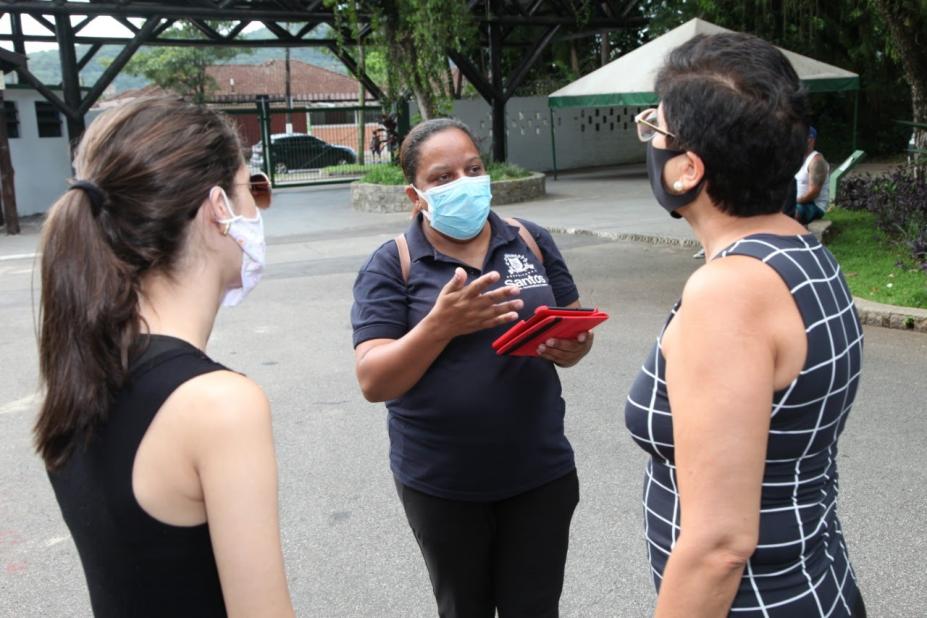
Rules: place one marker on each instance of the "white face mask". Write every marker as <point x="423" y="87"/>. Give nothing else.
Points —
<point x="249" y="234"/>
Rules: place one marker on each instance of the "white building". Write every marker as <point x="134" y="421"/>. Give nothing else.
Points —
<point x="38" y="138"/>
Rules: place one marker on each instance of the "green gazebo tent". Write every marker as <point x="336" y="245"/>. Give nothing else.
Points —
<point x="629" y="80"/>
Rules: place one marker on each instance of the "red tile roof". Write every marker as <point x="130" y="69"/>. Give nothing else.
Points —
<point x="307" y="83"/>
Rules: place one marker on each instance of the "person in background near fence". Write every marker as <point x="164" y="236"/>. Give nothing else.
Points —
<point x="161" y="460"/>
<point x="376" y="144"/>
<point x="812" y="191"/>
<point x="481" y="463"/>
<point x="742" y="400"/>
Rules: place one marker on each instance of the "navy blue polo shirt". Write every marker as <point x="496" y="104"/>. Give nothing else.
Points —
<point x="477" y="426"/>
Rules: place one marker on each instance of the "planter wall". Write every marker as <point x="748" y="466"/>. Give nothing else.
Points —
<point x="392" y="198"/>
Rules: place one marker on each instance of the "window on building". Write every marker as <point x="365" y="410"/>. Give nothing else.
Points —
<point x="372" y="115"/>
<point x="331" y="116"/>
<point x="48" y="118"/>
<point x="12" y="119"/>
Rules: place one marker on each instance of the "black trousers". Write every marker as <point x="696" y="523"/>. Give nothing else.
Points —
<point x="507" y="555"/>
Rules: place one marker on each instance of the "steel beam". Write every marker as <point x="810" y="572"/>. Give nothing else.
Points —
<point x="16" y="24"/>
<point x="26" y="77"/>
<point x="474" y="76"/>
<point x="151" y="9"/>
<point x="88" y="56"/>
<point x="529" y="60"/>
<point x="118" y="64"/>
<point x="70" y="76"/>
<point x="498" y="101"/>
<point x="186" y="42"/>
<point x="355" y="70"/>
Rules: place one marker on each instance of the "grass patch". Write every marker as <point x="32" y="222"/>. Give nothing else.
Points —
<point x="392" y="174"/>
<point x="384" y="175"/>
<point x="875" y="268"/>
<point x="350" y="169"/>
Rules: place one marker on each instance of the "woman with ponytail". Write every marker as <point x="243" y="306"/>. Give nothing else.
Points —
<point x="161" y="459"/>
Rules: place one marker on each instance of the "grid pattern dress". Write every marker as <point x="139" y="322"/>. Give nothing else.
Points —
<point x="800" y="566"/>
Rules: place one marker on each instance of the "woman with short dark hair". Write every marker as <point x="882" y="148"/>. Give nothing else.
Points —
<point x="477" y="447"/>
<point x="742" y="400"/>
<point x="161" y="459"/>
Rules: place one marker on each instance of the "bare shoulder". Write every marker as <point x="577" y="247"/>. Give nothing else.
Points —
<point x="734" y="287"/>
<point x="222" y="401"/>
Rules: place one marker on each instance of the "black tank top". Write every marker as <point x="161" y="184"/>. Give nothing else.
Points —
<point x="136" y="565"/>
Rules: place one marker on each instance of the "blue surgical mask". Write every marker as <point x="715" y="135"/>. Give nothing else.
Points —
<point x="458" y="209"/>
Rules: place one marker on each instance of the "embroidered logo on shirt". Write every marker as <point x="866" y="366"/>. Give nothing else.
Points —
<point x="522" y="273"/>
<point x="517" y="263"/>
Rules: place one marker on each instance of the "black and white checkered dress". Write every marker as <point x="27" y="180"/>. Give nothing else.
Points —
<point x="800" y="567"/>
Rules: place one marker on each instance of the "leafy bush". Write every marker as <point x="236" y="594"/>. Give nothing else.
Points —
<point x="384" y="175"/>
<point x="899" y="202"/>
<point x="506" y="171"/>
<point x="392" y="174"/>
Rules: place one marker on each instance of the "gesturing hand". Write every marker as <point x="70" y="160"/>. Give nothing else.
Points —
<point x="464" y="308"/>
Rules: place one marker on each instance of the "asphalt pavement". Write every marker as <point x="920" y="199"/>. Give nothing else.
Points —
<point x="348" y="549"/>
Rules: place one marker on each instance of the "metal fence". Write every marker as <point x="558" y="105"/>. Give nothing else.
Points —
<point x="315" y="144"/>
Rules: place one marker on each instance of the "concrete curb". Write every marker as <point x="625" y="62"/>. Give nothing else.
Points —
<point x="870" y="313"/>
<point x="891" y="316"/>
<point x="650" y="239"/>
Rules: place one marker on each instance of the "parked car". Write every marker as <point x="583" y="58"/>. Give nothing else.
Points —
<point x="296" y="151"/>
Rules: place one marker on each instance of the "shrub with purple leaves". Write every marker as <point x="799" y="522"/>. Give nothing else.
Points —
<point x="899" y="202"/>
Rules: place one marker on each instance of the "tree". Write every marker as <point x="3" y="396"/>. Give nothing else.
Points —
<point x="413" y="37"/>
<point x="181" y="70"/>
<point x="907" y="24"/>
<point x="846" y="33"/>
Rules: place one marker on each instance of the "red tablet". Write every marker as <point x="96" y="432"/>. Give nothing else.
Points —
<point x="524" y="337"/>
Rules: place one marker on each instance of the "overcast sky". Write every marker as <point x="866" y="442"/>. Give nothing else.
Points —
<point x="100" y="26"/>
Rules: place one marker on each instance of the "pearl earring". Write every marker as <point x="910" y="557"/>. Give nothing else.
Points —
<point x="677" y="186"/>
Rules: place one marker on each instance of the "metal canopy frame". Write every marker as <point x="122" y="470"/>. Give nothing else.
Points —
<point x="497" y="20"/>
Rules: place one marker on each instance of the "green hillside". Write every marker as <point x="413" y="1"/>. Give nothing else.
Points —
<point x="45" y="64"/>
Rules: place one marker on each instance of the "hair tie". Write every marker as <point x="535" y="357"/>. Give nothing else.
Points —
<point x="94" y="194"/>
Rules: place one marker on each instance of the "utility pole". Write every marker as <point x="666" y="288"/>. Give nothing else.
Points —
<point x="362" y="101"/>
<point x="289" y="96"/>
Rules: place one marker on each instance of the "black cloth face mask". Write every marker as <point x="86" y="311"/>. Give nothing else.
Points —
<point x="657" y="159"/>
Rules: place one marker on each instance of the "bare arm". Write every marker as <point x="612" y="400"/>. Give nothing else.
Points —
<point x="720" y="374"/>
<point x="387" y="368"/>
<point x="234" y="458"/>
<point x="817" y="176"/>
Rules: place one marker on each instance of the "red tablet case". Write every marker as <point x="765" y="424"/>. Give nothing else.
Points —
<point x="524" y="338"/>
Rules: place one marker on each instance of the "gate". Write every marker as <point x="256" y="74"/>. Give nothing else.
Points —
<point x="312" y="144"/>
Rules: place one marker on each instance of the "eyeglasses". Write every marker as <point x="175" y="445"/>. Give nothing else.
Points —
<point x="647" y="125"/>
<point x="259" y="185"/>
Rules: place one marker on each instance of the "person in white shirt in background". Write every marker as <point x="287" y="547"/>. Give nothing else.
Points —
<point x="812" y="190"/>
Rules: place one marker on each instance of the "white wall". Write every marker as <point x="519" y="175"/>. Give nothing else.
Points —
<point x="41" y="165"/>
<point x="585" y="137"/>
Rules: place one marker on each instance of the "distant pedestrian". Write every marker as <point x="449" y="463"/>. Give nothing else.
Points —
<point x="161" y="459"/>
<point x="741" y="402"/>
<point x="812" y="191"/>
<point x="376" y="145"/>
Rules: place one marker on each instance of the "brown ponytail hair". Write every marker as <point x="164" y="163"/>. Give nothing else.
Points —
<point x="153" y="162"/>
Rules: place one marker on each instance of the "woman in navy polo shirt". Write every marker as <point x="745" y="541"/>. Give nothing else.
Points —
<point x="482" y="465"/>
